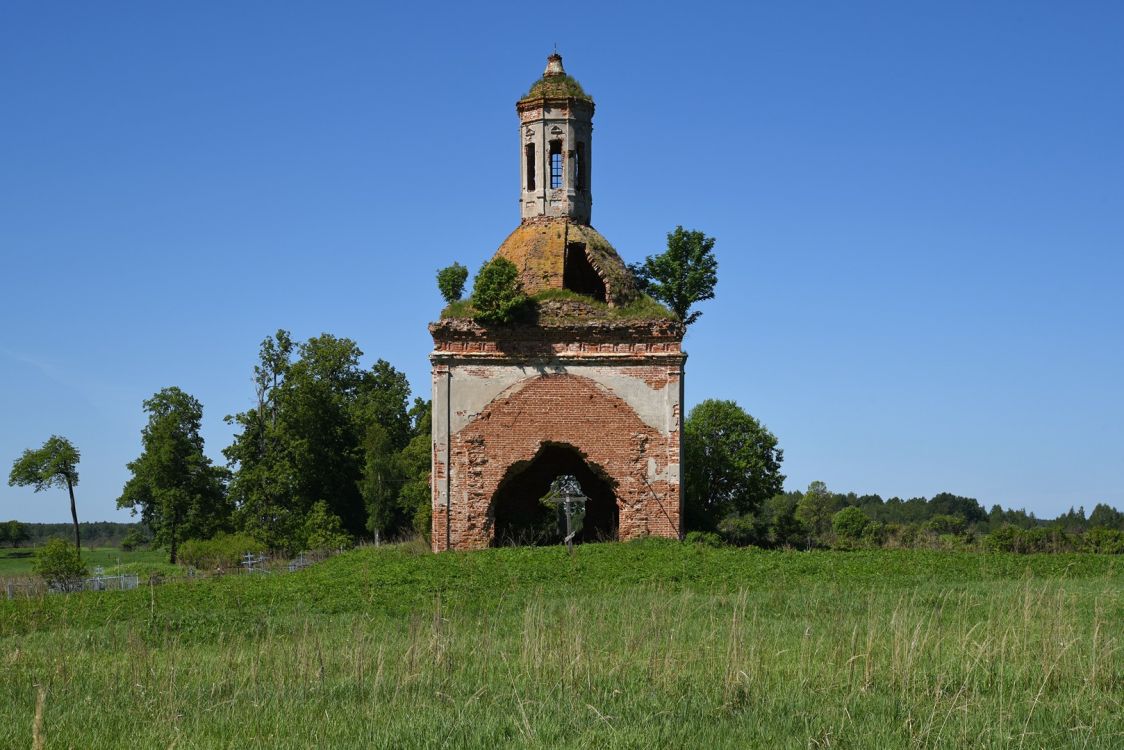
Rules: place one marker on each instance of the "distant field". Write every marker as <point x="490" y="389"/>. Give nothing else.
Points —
<point x="646" y="645"/>
<point x="15" y="562"/>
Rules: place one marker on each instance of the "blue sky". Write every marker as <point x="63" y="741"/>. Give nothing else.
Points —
<point x="919" y="210"/>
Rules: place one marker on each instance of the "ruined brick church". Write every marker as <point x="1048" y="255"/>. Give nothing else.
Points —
<point x="591" y="385"/>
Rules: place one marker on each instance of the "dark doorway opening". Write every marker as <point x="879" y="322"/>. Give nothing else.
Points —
<point x="521" y="519"/>
<point x="579" y="275"/>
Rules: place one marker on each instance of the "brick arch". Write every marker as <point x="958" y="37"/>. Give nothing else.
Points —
<point x="527" y="522"/>
<point x="569" y="409"/>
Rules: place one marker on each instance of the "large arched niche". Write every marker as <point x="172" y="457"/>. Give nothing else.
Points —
<point x="520" y="518"/>
<point x="559" y="409"/>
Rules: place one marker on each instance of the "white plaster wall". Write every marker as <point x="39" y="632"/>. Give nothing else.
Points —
<point x="473" y="388"/>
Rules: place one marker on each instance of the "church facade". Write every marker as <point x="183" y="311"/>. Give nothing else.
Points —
<point x="592" y="386"/>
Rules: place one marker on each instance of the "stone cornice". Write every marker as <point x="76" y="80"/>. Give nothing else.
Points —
<point x="588" y="342"/>
<point x="533" y="358"/>
<point x="534" y="103"/>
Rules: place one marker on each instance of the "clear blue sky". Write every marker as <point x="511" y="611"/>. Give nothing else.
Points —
<point x="919" y="210"/>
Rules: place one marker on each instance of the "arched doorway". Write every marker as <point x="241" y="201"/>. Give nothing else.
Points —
<point x="519" y="517"/>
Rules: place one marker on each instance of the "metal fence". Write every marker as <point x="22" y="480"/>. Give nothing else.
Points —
<point x="102" y="582"/>
<point x="28" y="587"/>
<point x="252" y="564"/>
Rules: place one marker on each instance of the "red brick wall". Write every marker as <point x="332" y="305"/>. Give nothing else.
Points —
<point x="563" y="408"/>
<point x="641" y="458"/>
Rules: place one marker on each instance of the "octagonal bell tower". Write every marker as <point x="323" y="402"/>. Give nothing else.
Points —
<point x="556" y="129"/>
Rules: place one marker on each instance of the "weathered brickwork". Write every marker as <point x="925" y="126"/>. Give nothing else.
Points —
<point x="499" y="398"/>
<point x="582" y="390"/>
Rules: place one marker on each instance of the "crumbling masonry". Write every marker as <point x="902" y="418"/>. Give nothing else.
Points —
<point x="586" y="389"/>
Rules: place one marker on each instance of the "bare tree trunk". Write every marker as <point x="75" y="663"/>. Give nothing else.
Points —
<point x="173" y="546"/>
<point x="74" y="515"/>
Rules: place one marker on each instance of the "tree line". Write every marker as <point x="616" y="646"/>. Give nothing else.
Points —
<point x="95" y="533"/>
<point x="734" y="496"/>
<point x="330" y="452"/>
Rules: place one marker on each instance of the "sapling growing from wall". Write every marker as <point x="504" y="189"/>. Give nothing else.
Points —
<point x="450" y="280"/>
<point x="497" y="293"/>
<point x="682" y="275"/>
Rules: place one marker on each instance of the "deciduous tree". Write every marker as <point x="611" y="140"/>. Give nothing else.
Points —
<point x="415" y="461"/>
<point x="682" y="275"/>
<point x="60" y="566"/>
<point x="260" y="486"/>
<point x="325" y="429"/>
<point x="779" y="513"/>
<point x="53" y="465"/>
<point x="321" y="430"/>
<point x="732" y="464"/>
<point x="178" y="492"/>
<point x="816" y="509"/>
<point x="323" y="530"/>
<point x="380" y="482"/>
<point x="849" y="523"/>
<point x="1105" y="516"/>
<point x="450" y="280"/>
<point x="948" y="504"/>
<point x="497" y="294"/>
<point x="18" y="533"/>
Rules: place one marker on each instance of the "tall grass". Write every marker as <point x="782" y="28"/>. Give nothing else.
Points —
<point x="623" y="646"/>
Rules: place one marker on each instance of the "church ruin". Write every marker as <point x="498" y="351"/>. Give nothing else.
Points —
<point x="590" y="387"/>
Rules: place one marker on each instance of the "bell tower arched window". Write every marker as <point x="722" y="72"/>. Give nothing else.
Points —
<point x="555" y="148"/>
<point x="556" y="164"/>
<point x="530" y="166"/>
<point x="579" y="169"/>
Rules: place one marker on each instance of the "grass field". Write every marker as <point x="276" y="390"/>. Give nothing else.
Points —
<point x="16" y="562"/>
<point x="651" y="644"/>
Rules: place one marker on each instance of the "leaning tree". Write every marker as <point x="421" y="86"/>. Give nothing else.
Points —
<point x="53" y="465"/>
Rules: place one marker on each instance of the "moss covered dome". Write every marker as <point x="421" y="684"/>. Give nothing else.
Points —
<point x="559" y="253"/>
<point x="556" y="84"/>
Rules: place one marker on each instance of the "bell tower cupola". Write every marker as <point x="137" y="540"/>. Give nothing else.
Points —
<point x="555" y="132"/>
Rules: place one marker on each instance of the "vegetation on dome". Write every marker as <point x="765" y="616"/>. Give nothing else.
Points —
<point x="539" y="309"/>
<point x="557" y="87"/>
<point x="642" y="307"/>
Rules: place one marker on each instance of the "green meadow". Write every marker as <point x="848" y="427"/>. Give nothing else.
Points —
<point x="648" y="644"/>
<point x="15" y="562"/>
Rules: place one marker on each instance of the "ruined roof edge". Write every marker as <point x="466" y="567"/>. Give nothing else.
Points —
<point x="466" y="329"/>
